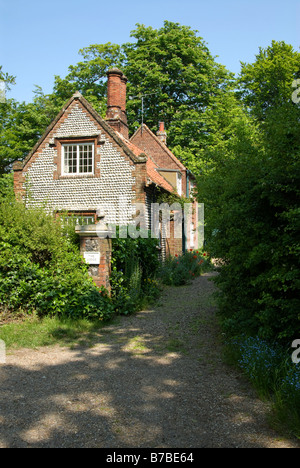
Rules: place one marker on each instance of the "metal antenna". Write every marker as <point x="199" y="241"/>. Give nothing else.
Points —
<point x="142" y="96"/>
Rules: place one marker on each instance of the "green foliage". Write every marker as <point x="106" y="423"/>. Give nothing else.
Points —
<point x="6" y="187"/>
<point x="41" y="270"/>
<point x="270" y="369"/>
<point x="171" y="198"/>
<point x="172" y="66"/>
<point x="266" y="84"/>
<point x="252" y="210"/>
<point x="22" y="125"/>
<point x="181" y="269"/>
<point x="89" y="76"/>
<point x="8" y="79"/>
<point x="134" y="267"/>
<point x="183" y="85"/>
<point x="8" y="138"/>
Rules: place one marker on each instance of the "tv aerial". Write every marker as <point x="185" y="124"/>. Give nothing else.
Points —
<point x="142" y="97"/>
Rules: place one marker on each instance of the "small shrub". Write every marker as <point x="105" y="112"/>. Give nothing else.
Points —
<point x="181" y="269"/>
<point x="287" y="399"/>
<point x="134" y="267"/>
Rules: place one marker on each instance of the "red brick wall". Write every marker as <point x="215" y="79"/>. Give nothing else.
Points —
<point x="173" y="245"/>
<point x="116" y="101"/>
<point x="99" y="273"/>
<point x="149" y="144"/>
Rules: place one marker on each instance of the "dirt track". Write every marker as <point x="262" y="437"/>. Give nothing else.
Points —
<point x="153" y="380"/>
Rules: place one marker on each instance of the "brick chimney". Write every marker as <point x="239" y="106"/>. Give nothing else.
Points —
<point x="162" y="134"/>
<point x="116" y="115"/>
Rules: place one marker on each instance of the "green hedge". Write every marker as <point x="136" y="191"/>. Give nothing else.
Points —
<point x="135" y="264"/>
<point x="41" y="269"/>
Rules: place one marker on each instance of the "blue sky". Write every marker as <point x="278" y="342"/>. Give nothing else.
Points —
<point x="41" y="39"/>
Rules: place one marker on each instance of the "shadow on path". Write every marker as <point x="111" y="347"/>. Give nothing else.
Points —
<point x="154" y="380"/>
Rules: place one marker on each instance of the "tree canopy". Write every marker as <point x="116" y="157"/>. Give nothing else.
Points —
<point x="171" y="67"/>
<point x="252" y="203"/>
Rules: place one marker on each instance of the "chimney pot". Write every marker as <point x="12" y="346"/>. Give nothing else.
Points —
<point x="162" y="134"/>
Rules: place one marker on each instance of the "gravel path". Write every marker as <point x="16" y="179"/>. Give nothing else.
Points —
<point x="153" y="380"/>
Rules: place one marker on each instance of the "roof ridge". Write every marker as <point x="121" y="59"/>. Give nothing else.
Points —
<point x="78" y="96"/>
<point x="164" y="147"/>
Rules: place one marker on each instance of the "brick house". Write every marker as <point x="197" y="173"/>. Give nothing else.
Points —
<point x="84" y="165"/>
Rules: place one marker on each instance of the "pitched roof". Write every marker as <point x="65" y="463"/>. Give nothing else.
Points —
<point x="135" y="153"/>
<point x="163" y="147"/>
<point x="151" y="166"/>
<point x="155" y="177"/>
<point x="135" y="150"/>
<point x="136" y="156"/>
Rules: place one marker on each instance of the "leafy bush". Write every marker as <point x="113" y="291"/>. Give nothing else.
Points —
<point x="134" y="266"/>
<point x="254" y="230"/>
<point x="251" y="194"/>
<point x="288" y="398"/>
<point x="179" y="270"/>
<point x="6" y="187"/>
<point x="41" y="270"/>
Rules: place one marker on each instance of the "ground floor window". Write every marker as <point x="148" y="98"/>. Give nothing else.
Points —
<point x="77" y="218"/>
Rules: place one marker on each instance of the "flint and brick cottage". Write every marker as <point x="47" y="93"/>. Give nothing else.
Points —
<point x="84" y="165"/>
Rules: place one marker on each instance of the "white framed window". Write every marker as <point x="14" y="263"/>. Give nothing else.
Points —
<point x="76" y="218"/>
<point x="80" y="220"/>
<point x="78" y="158"/>
<point x="179" y="183"/>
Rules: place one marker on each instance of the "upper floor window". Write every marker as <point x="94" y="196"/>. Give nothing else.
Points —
<point x="78" y="158"/>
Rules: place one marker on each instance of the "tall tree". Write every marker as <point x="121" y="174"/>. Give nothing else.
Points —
<point x="266" y="84"/>
<point x="173" y="68"/>
<point x="89" y="75"/>
<point x="252" y="199"/>
<point x="7" y="117"/>
<point x="180" y="82"/>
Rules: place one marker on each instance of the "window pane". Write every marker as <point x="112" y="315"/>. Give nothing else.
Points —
<point x="78" y="159"/>
<point x="78" y="219"/>
<point x="70" y="159"/>
<point x="86" y="159"/>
